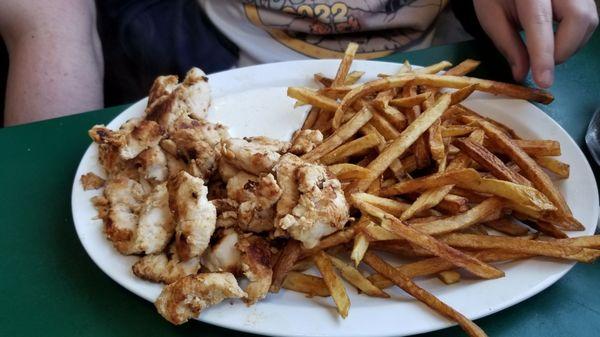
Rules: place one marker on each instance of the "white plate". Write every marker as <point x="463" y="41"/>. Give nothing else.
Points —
<point x="252" y="101"/>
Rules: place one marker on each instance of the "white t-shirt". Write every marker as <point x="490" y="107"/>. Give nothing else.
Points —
<point x="285" y="30"/>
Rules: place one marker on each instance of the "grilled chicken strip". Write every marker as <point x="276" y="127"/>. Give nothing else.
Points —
<point x="195" y="216"/>
<point x="186" y="298"/>
<point x="253" y="154"/>
<point x="165" y="267"/>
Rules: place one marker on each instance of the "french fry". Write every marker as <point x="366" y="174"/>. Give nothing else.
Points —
<point x="351" y="78"/>
<point x="304" y="264"/>
<point x="493" y="87"/>
<point x="410" y="101"/>
<point x="340" y="135"/>
<point x="333" y="283"/>
<point x="311" y="118"/>
<point x="473" y="197"/>
<point x="560" y="169"/>
<point x="407" y="138"/>
<point x="468" y="116"/>
<point x="470" y="179"/>
<point x="520" y="245"/>
<point x="456" y="130"/>
<point x="384" y="127"/>
<point x="355" y="147"/>
<point x="428" y="242"/>
<point x="391" y="206"/>
<point x="434" y="265"/>
<point x="420" y="146"/>
<point x="463" y="68"/>
<point x="307" y="284"/>
<point x="460" y="221"/>
<point x="285" y="262"/>
<point x="313" y="98"/>
<point x="534" y="173"/>
<point x="507" y="226"/>
<point x="346" y="171"/>
<point x="364" y="90"/>
<point x="449" y="276"/>
<point x="539" y="147"/>
<point x="426" y="200"/>
<point x="352" y="275"/>
<point x="434" y="68"/>
<point x="453" y="204"/>
<point x="489" y="161"/>
<point x="361" y="244"/>
<point x="422" y="295"/>
<point x="546" y="228"/>
<point x="335" y="239"/>
<point x="462" y="94"/>
<point x="345" y="64"/>
<point x="436" y="145"/>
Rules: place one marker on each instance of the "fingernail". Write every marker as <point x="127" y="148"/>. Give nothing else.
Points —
<point x="546" y="78"/>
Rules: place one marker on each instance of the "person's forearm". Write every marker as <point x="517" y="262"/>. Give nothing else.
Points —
<point x="54" y="70"/>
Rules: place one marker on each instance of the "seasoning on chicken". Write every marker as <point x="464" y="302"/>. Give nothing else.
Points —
<point x="91" y="181"/>
<point x="144" y="134"/>
<point x="196" y="142"/>
<point x="253" y="154"/>
<point x="195" y="216"/>
<point x="227" y="212"/>
<point x="125" y="197"/>
<point x="256" y="197"/>
<point x="186" y="298"/>
<point x="169" y="101"/>
<point x="321" y="209"/>
<point x="256" y="266"/>
<point x="152" y="164"/>
<point x="223" y="254"/>
<point x="165" y="267"/>
<point x="305" y="141"/>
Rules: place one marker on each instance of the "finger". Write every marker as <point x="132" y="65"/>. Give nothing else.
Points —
<point x="578" y="20"/>
<point x="536" y="18"/>
<point x="503" y="33"/>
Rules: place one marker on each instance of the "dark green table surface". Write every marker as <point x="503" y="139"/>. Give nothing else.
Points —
<point x="49" y="286"/>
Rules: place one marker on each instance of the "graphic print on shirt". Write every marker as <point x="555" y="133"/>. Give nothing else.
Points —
<point x="322" y="29"/>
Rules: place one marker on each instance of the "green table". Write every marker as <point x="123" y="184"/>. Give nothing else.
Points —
<point x="49" y="286"/>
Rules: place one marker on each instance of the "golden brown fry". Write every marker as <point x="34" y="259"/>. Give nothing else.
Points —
<point x="311" y="118"/>
<point x="364" y="90"/>
<point x="333" y="283"/>
<point x="420" y="147"/>
<point x="460" y="221"/>
<point x="428" y="242"/>
<point x="468" y="178"/>
<point x="449" y="276"/>
<point x="346" y="171"/>
<point x="434" y="265"/>
<point x="453" y="204"/>
<point x="335" y="239"/>
<point x="355" y="147"/>
<point x="410" y="101"/>
<point x="462" y="94"/>
<point x="463" y="68"/>
<point x="560" y="169"/>
<point x="340" y="135"/>
<point x="546" y="228"/>
<point x="436" y="145"/>
<point x="521" y="245"/>
<point x="494" y="87"/>
<point x="422" y="295"/>
<point x="468" y="116"/>
<point x="357" y="279"/>
<point x="378" y="233"/>
<point x="490" y="162"/>
<point x="361" y="244"/>
<point x="285" y="262"/>
<point x="434" y="68"/>
<point x="304" y="264"/>
<point x="340" y="76"/>
<point x="507" y="226"/>
<point x="406" y="139"/>
<point x="426" y="200"/>
<point x="384" y="127"/>
<point x="307" y="284"/>
<point x="457" y="130"/>
<point x="592" y="241"/>
<point x="313" y="98"/>
<point x="534" y="173"/>
<point x="391" y="206"/>
<point x="539" y="147"/>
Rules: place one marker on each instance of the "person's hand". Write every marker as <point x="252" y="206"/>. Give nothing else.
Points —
<point x="503" y="19"/>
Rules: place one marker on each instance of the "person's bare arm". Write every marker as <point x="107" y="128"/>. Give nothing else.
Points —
<point x="55" y="58"/>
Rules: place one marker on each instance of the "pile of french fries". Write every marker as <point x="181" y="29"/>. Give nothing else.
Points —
<point x="429" y="180"/>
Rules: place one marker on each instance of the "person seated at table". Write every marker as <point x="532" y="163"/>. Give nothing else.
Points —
<point x="57" y="64"/>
